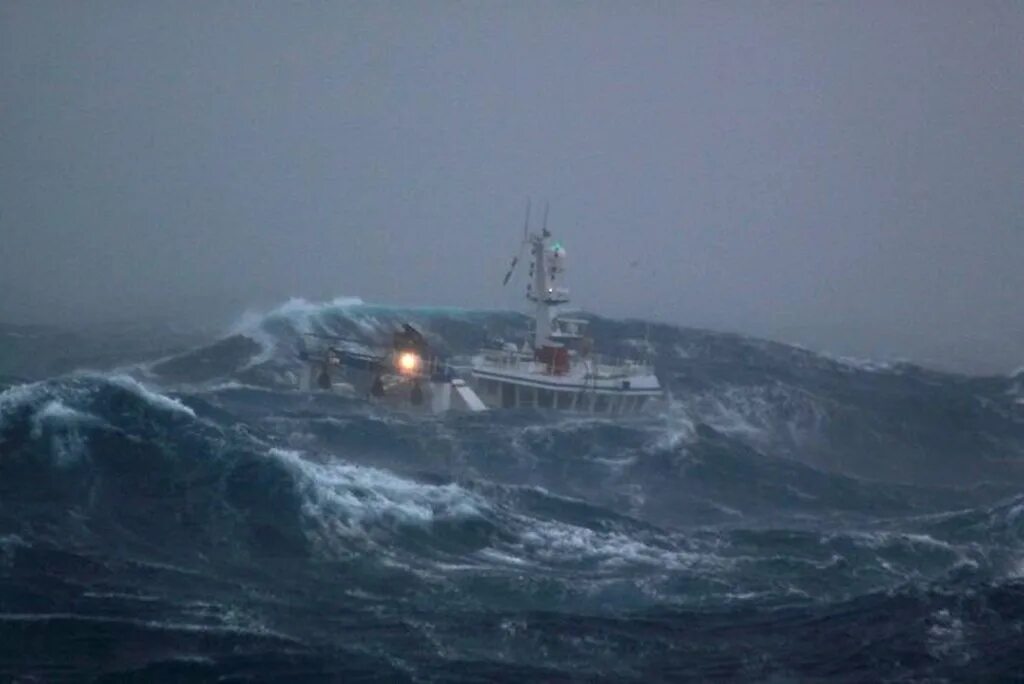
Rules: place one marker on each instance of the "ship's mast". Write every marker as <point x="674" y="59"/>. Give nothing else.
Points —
<point x="546" y="267"/>
<point x="537" y="292"/>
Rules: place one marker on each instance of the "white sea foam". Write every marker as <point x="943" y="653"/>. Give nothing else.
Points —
<point x="120" y="595"/>
<point x="501" y="557"/>
<point x="221" y="386"/>
<point x="20" y="395"/>
<point x="761" y="414"/>
<point x="56" y="413"/>
<point x="557" y="543"/>
<point x="253" y="629"/>
<point x="60" y="398"/>
<point x="867" y="365"/>
<point x="679" y="428"/>
<point x="946" y="639"/>
<point x="67" y="443"/>
<point x="298" y="312"/>
<point x="251" y="326"/>
<point x="881" y="539"/>
<point x="153" y="397"/>
<point x="344" y="498"/>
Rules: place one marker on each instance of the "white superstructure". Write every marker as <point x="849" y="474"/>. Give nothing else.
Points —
<point x="558" y="371"/>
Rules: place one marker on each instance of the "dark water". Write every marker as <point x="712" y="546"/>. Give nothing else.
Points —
<point x="791" y="518"/>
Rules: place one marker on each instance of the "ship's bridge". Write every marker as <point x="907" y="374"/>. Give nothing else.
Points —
<point x="565" y="329"/>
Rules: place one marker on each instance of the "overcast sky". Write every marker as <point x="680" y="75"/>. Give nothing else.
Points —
<point x="844" y="175"/>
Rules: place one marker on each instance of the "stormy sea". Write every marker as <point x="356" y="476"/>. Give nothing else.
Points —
<point x="172" y="508"/>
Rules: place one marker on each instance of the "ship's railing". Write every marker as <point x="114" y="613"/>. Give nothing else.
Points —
<point x="599" y="365"/>
<point x="613" y="366"/>
<point x="502" y="358"/>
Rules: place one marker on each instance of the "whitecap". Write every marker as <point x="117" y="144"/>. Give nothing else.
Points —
<point x="299" y="313"/>
<point x="154" y="398"/>
<point x="343" y="498"/>
<point x="56" y="413"/>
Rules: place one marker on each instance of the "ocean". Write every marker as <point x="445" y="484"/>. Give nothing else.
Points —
<point x="173" y="509"/>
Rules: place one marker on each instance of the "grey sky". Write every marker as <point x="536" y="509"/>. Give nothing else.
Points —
<point x="843" y="175"/>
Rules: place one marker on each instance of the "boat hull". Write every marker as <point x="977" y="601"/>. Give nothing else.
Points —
<point x="604" y="396"/>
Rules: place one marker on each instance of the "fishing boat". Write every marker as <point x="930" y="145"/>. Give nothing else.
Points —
<point x="555" y="369"/>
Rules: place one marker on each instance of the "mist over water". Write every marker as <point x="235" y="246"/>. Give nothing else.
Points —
<point x="790" y="516"/>
<point x="844" y="178"/>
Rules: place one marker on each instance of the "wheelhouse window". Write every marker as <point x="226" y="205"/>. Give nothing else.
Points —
<point x="545" y="398"/>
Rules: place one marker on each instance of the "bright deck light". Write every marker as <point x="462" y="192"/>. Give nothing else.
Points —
<point x="408" y="362"/>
